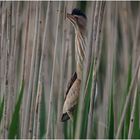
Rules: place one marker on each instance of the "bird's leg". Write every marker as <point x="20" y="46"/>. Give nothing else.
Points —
<point x="70" y="115"/>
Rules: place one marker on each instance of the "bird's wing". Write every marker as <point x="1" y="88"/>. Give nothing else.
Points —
<point x="70" y="83"/>
<point x="71" y="100"/>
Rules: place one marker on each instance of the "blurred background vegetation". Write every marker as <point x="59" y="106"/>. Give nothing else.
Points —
<point x="37" y="59"/>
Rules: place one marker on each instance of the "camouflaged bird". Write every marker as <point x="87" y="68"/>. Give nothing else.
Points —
<point x="78" y="20"/>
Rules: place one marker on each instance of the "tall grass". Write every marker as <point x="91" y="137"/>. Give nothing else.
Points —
<point x="37" y="59"/>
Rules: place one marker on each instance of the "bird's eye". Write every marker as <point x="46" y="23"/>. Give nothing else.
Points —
<point x="76" y="18"/>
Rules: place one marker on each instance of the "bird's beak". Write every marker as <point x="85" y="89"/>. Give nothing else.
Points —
<point x="70" y="17"/>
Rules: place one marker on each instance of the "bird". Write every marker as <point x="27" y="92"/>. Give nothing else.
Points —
<point x="79" y="21"/>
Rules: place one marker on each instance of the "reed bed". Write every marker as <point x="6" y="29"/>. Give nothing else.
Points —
<point x="37" y="59"/>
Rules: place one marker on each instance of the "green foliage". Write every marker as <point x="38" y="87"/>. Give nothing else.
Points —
<point x="1" y="109"/>
<point x="126" y="123"/>
<point x="110" y="122"/>
<point x="136" y="128"/>
<point x="42" y="115"/>
<point x="111" y="119"/>
<point x="127" y="119"/>
<point x="87" y="105"/>
<point x="15" y="123"/>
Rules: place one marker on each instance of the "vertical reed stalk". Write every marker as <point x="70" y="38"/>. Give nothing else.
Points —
<point x="7" y="46"/>
<point x="136" y="52"/>
<point x="59" y="128"/>
<point x="24" y="51"/>
<point x="131" y="89"/>
<point x="95" y="66"/>
<point x="29" y="92"/>
<point x="40" y="79"/>
<point x="49" y="121"/>
<point x="35" y="113"/>
<point x="111" y="31"/>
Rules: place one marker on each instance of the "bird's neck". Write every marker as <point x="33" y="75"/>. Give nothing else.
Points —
<point x="80" y="48"/>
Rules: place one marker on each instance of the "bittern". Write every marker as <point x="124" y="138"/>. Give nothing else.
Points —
<point x="78" y="20"/>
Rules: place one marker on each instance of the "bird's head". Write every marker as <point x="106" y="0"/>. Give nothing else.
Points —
<point x="78" y="19"/>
